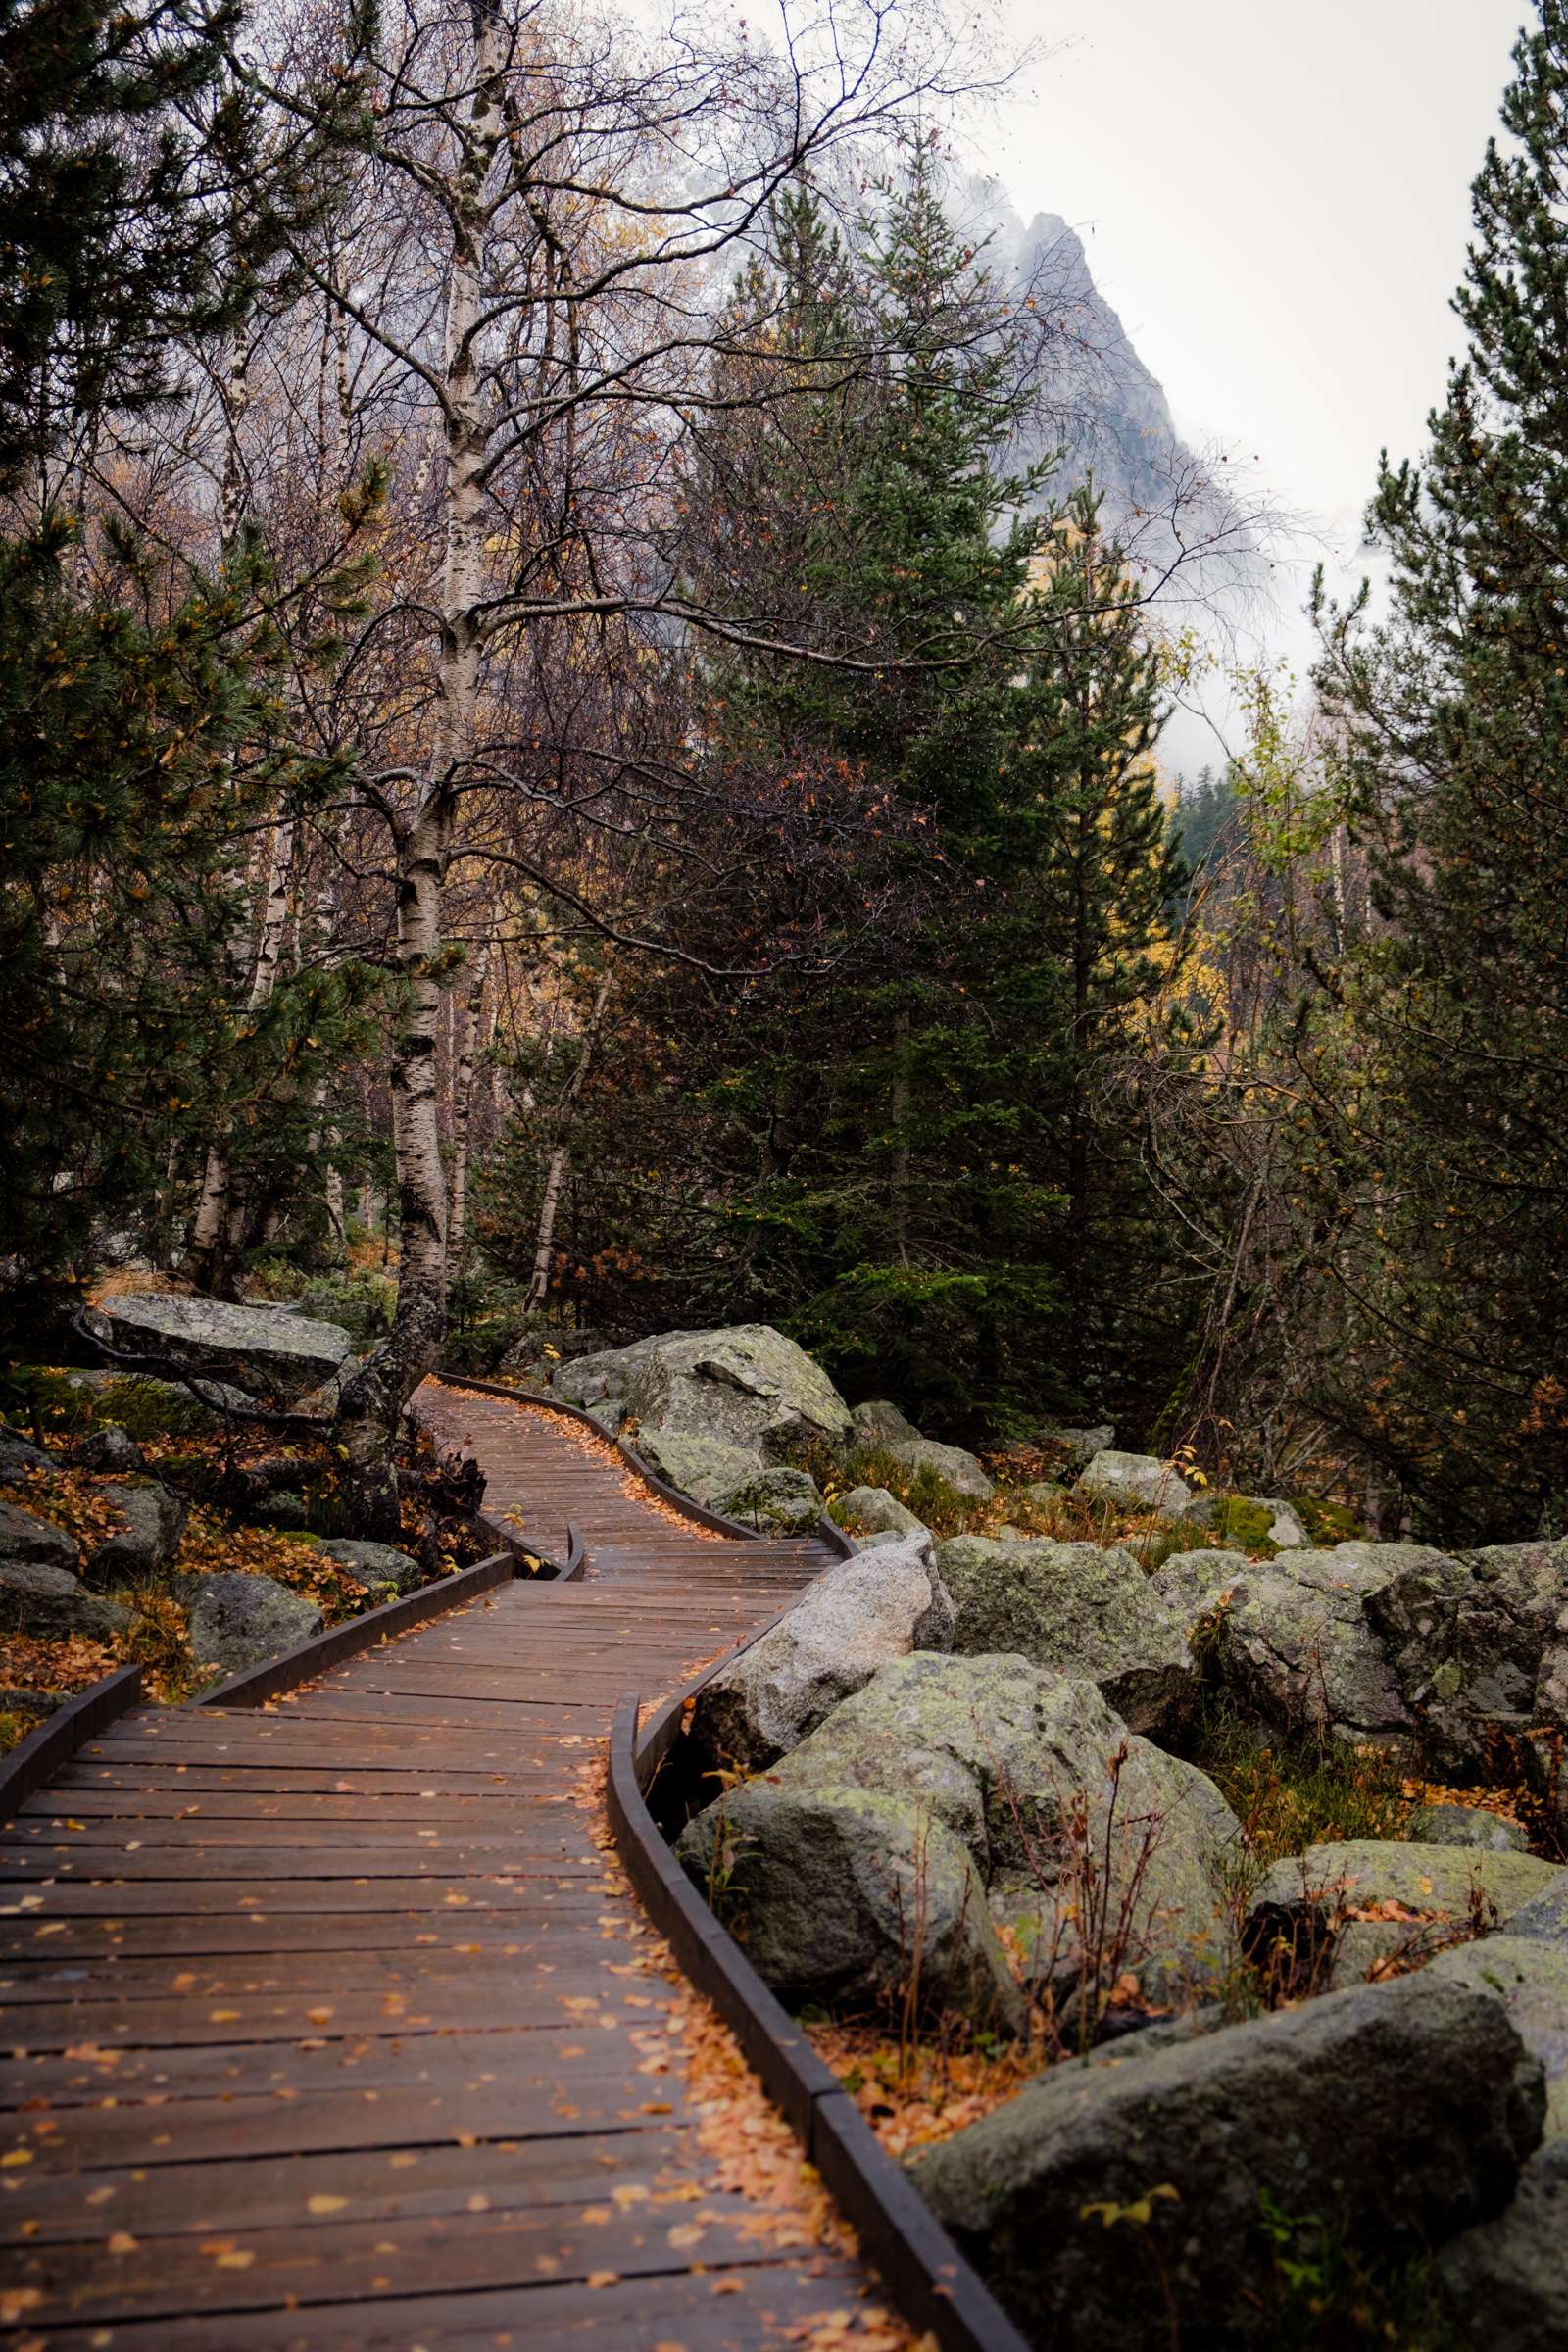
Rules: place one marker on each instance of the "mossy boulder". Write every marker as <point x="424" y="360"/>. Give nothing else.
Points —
<point x="1137" y="1482"/>
<point x="879" y="1422"/>
<point x="1292" y="1642"/>
<point x="1078" y="1609"/>
<point x="1466" y="1825"/>
<point x="1347" y="1888"/>
<point x="846" y="1895"/>
<point x="705" y="1468"/>
<point x="859" y="1615"/>
<point x="239" y="1620"/>
<point x="1506" y="2281"/>
<point x="46" y="1601"/>
<point x="1399" y="2114"/>
<point x="873" y="1511"/>
<point x="746" y="1387"/>
<point x="952" y="1465"/>
<point x="1473" y="1639"/>
<point x="1531" y="1981"/>
<point x="786" y="1503"/>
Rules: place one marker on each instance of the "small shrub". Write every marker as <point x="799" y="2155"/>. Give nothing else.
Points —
<point x="1331" y="2293"/>
<point x="1291" y="1794"/>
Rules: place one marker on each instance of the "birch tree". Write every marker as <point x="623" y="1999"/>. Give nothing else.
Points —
<point x="542" y="204"/>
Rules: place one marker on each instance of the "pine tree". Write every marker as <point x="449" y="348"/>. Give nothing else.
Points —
<point x="1451" y="1036"/>
<point x="890" y="1142"/>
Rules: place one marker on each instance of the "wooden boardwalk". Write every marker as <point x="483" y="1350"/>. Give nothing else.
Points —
<point x="331" y="2025"/>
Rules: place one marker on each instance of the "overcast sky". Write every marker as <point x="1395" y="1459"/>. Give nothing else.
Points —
<point x="1276" y="199"/>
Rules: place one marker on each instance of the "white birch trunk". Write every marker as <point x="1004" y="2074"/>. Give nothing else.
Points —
<point x="465" y="1043"/>
<point x="556" y="1171"/>
<point x="375" y="1399"/>
<point x="212" y="1218"/>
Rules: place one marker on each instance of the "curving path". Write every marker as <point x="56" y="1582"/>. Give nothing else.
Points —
<point x="329" y="2023"/>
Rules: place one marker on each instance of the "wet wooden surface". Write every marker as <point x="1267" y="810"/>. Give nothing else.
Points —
<point x="330" y="2024"/>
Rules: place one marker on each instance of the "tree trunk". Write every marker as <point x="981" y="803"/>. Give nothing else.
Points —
<point x="217" y="1222"/>
<point x="372" y="1407"/>
<point x="559" y="1156"/>
<point x="464" y="1047"/>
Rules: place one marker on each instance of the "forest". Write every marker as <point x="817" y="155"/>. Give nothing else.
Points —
<point x="743" y="1355"/>
<point x="562" y="772"/>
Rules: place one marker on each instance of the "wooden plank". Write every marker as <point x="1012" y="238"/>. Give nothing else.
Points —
<point x="310" y="2191"/>
<point x="459" y="1998"/>
<point x="554" y="2059"/>
<point x="87" y="2138"/>
<point x="454" y="2253"/>
<point x="774" y="2302"/>
<point x="37" y="1758"/>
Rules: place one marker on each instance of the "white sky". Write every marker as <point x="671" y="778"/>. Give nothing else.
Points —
<point x="1275" y="196"/>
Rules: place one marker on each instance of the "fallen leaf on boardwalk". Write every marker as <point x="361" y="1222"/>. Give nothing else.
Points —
<point x="603" y="2279"/>
<point x="327" y="2204"/>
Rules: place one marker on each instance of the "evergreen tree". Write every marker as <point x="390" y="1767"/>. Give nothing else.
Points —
<point x="140" y="201"/>
<point x="1450" y="1043"/>
<point x="135" y="756"/>
<point x="892" y="1142"/>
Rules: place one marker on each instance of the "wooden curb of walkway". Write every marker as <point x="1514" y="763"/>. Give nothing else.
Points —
<point x="932" y="2285"/>
<point x="253" y="1686"/>
<point x="36" y="1760"/>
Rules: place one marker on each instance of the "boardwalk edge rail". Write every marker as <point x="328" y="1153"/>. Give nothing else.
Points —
<point x="253" y="1686"/>
<point x="827" y="1528"/>
<point x="36" y="1760"/>
<point x="934" y="2287"/>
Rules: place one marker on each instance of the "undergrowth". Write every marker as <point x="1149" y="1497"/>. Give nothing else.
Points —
<point x="1026" y="1503"/>
<point x="1291" y="1794"/>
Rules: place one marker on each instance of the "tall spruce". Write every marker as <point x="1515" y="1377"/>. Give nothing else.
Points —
<point x="1449" y="1042"/>
<point x="891" y="1140"/>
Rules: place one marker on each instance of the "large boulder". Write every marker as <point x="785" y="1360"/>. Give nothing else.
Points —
<point x="871" y="1515"/>
<point x="961" y="1471"/>
<point x="1473" y="1642"/>
<point x="19" y="1457"/>
<point x="845" y="1893"/>
<point x="1396" y="2114"/>
<point x="154" y="1519"/>
<point x="379" y="1566"/>
<point x="238" y="1620"/>
<point x="1251" y="1520"/>
<point x="855" y="1618"/>
<point x="747" y="1386"/>
<point x="1373" y="1897"/>
<point x="1075" y="1448"/>
<point x="24" y="1536"/>
<point x="879" y="1422"/>
<point x="1466" y="1825"/>
<point x="705" y="1468"/>
<point x="1191" y="1585"/>
<point x="1078" y="1609"/>
<point x="1506" y="2281"/>
<point x="111" y="1448"/>
<point x="257" y="1350"/>
<point x="1531" y="1981"/>
<point x="1293" y="1643"/>
<point x="40" y="1598"/>
<point x="787" y="1501"/>
<point x="1546" y="1914"/>
<point x="1135" y="1482"/>
<point x="1077" y="1827"/>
